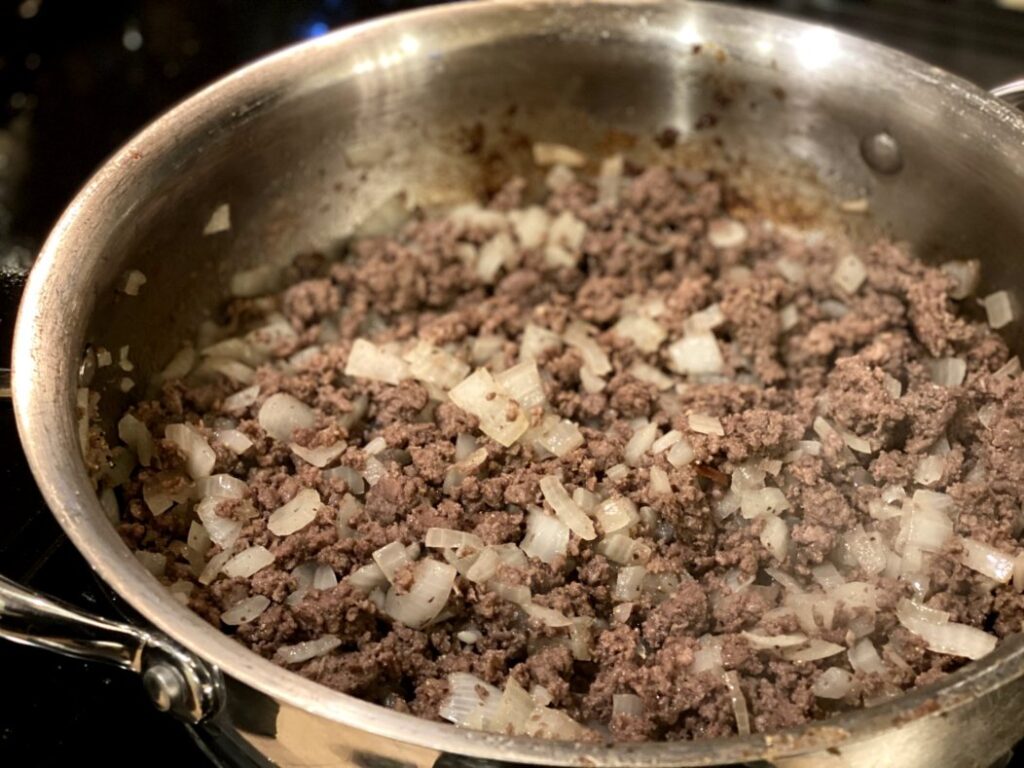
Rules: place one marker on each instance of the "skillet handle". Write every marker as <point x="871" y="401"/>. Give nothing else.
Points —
<point x="175" y="680"/>
<point x="1012" y="93"/>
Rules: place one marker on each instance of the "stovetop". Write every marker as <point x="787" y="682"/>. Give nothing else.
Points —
<point x="76" y="80"/>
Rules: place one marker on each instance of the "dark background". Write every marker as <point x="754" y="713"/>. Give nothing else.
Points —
<point x="77" y="78"/>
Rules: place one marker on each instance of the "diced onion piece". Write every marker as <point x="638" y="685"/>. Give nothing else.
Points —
<point x="1009" y="369"/>
<point x="999" y="308"/>
<point x="368" y="577"/>
<point x="775" y="536"/>
<point x="247" y="562"/>
<point x="242" y="399"/>
<point x="494" y="254"/>
<point x="536" y="341"/>
<point x="949" y="637"/>
<point x="849" y="274"/>
<point x="789" y="317"/>
<point x="628" y="583"/>
<point x="868" y="550"/>
<point x="426" y="598"/>
<point x="864" y="658"/>
<point x="547" y="616"/>
<point x="547" y="537"/>
<point x="618" y="548"/>
<point x="441" y="538"/>
<point x="310" y="649"/>
<point x="355" y="482"/>
<point x="833" y="683"/>
<point x="739" y="702"/>
<point x="566" y="509"/>
<point x="948" y="371"/>
<point x="212" y="569"/>
<point x="929" y="526"/>
<point x="523" y="384"/>
<point x="235" y="441"/>
<point x="704" y="424"/>
<point x="763" y="502"/>
<point x="199" y="456"/>
<point x="696" y="355"/>
<point x="986" y="560"/>
<point x="435" y="366"/>
<point x="565" y="236"/>
<point x="153" y="562"/>
<point x="680" y="454"/>
<point x="296" y="514"/>
<point x="222" y="530"/>
<point x="320" y="456"/>
<point x="368" y="361"/>
<point x="708" y="657"/>
<point x="666" y="441"/>
<point x="816" y="649"/>
<point x="761" y="642"/>
<point x="501" y="419"/>
<point x="221" y="487"/>
<point x="281" y="414"/>
<point x="513" y="712"/>
<point x="651" y="375"/>
<point x="627" y="704"/>
<point x="704" y="321"/>
<point x="595" y="359"/>
<point x="245" y="610"/>
<point x="645" y="333"/>
<point x="469" y="636"/>
<point x="484" y="567"/>
<point x="640" y="443"/>
<point x="609" y="179"/>
<point x="136" y="436"/>
<point x="929" y="470"/>
<point x="546" y="723"/>
<point x="559" y="436"/>
<point x="965" y="276"/>
<point x="513" y="593"/>
<point x="1018" y="573"/>
<point x="530" y="225"/>
<point x="726" y="233"/>
<point x="616" y="513"/>
<point x="855" y="442"/>
<point x="548" y="153"/>
<point x="827" y="575"/>
<point x="471" y="702"/>
<point x="659" y="482"/>
<point x="617" y="472"/>
<point x="391" y="558"/>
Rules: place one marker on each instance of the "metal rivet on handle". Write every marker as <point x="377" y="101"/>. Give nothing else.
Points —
<point x="164" y="686"/>
<point x="882" y="153"/>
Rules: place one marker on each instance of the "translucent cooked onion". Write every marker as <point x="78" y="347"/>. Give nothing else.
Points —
<point x="310" y="649"/>
<point x="705" y="424"/>
<point x="696" y="355"/>
<point x="368" y="361"/>
<point x="640" y="443"/>
<point x="235" y="441"/>
<point x="199" y="456"/>
<point x="726" y="233"/>
<point x="548" y="153"/>
<point x="833" y="683"/>
<point x="281" y="414"/>
<point x="523" y="384"/>
<point x="500" y="418"/>
<point x="547" y="616"/>
<point x="320" y="456"/>
<point x="245" y="610"/>
<point x="929" y="470"/>
<point x="816" y="649"/>
<point x="442" y="538"/>
<point x="547" y="537"/>
<point x="762" y="502"/>
<point x="827" y="575"/>
<point x="651" y="375"/>
<point x="704" y="321"/>
<point x="566" y="509"/>
<point x="789" y="317"/>
<point x="659" y="482"/>
<point x="761" y="642"/>
<point x="627" y="704"/>
<point x="239" y="373"/>
<point x="513" y="593"/>
<point x="324" y="577"/>
<point x="565" y="236"/>
<point x="986" y="560"/>
<point x="247" y="562"/>
<point x="223" y="531"/>
<point x="536" y="341"/>
<point x="558" y="436"/>
<point x="484" y="567"/>
<point x="391" y="558"/>
<point x="221" y="487"/>
<point x="373" y="470"/>
<point x="646" y="334"/>
<point x="594" y="357"/>
<point x="629" y="583"/>
<point x="680" y="454"/>
<point x="530" y="226"/>
<point x="368" y="577"/>
<point x="999" y="308"/>
<point x="868" y="550"/>
<point x="136" y="436"/>
<point x="949" y="637"/>
<point x="708" y="657"/>
<point x="929" y="526"/>
<point x="496" y="253"/>
<point x="948" y="371"/>
<point x="212" y="569"/>
<point x="547" y="723"/>
<point x="616" y="513"/>
<point x="864" y="658"/>
<point x="471" y="702"/>
<point x="775" y="536"/>
<point x="432" y="365"/>
<point x="426" y="598"/>
<point x="355" y="481"/>
<point x="965" y="276"/>
<point x="296" y="514"/>
<point x="666" y="441"/>
<point x="153" y="562"/>
<point x="739" y="702"/>
<point x="850" y="273"/>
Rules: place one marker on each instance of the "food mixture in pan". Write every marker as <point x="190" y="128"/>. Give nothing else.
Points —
<point x="619" y="459"/>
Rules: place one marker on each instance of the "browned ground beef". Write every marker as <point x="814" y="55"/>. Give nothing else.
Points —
<point x="794" y="345"/>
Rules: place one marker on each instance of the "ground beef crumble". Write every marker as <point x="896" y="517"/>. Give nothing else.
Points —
<point x="821" y="384"/>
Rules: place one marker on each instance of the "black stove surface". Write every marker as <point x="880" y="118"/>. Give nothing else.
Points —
<point x="76" y="80"/>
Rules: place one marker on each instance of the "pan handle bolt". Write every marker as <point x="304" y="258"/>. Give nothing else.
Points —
<point x="882" y="153"/>
<point x="164" y="685"/>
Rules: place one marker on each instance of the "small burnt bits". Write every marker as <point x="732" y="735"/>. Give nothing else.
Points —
<point x="617" y="463"/>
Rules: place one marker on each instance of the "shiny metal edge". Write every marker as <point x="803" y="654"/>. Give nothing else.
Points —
<point x="43" y="365"/>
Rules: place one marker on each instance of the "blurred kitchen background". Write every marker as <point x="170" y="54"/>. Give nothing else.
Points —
<point x="77" y="78"/>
